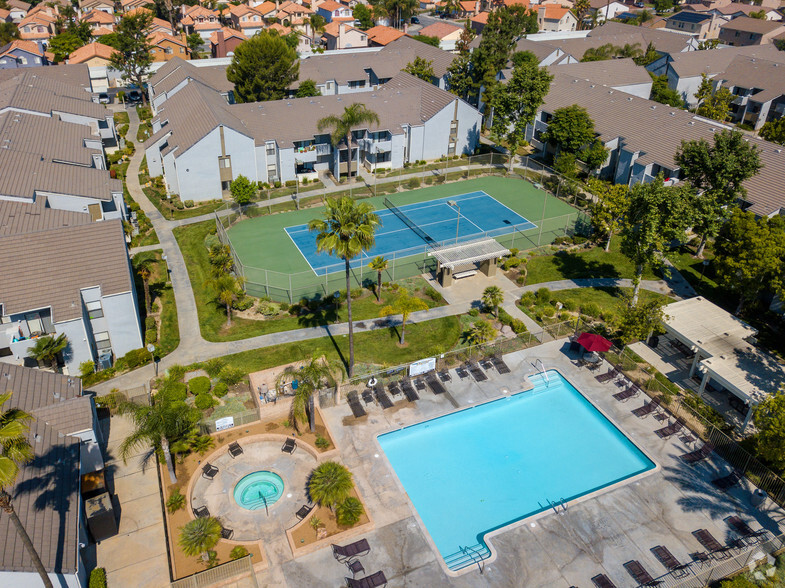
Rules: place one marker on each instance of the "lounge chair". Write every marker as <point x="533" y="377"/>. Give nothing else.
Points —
<point x="647" y="408"/>
<point x="462" y="372"/>
<point x="209" y="471"/>
<point x="235" y="449"/>
<point x="394" y="388"/>
<point x="367" y="396"/>
<point x="710" y="544"/>
<point x="419" y="384"/>
<point x="445" y="376"/>
<point x="499" y="364"/>
<point x="409" y="391"/>
<point x="355" y="404"/>
<point x="725" y="483"/>
<point x="355" y="566"/>
<point x="666" y="558"/>
<point x="698" y="455"/>
<point x="201" y="512"/>
<point x="436" y="386"/>
<point x="356" y="549"/>
<point x="639" y="573"/>
<point x="744" y="530"/>
<point x="476" y="371"/>
<point x="670" y="430"/>
<point x="603" y="581"/>
<point x="630" y="392"/>
<point x="289" y="445"/>
<point x="607" y="376"/>
<point x="486" y="364"/>
<point x="381" y="396"/>
<point x="303" y="512"/>
<point x="376" y="580"/>
<point x="226" y="533"/>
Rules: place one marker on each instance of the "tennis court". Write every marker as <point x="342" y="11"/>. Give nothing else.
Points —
<point x="435" y="222"/>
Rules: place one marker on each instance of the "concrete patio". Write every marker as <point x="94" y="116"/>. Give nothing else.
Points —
<point x="594" y="535"/>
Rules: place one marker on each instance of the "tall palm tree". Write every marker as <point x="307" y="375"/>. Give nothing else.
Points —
<point x="581" y="7"/>
<point x="156" y="426"/>
<point x="405" y="304"/>
<point x="353" y="116"/>
<point x="330" y="484"/>
<point x="493" y="297"/>
<point x="379" y="264"/>
<point x="310" y="378"/>
<point x="228" y="289"/>
<point x="15" y="450"/>
<point x="199" y="535"/>
<point x="47" y="348"/>
<point x="346" y="230"/>
<point x="144" y="269"/>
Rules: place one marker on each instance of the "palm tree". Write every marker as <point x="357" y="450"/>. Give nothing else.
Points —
<point x="199" y="535"/>
<point x="581" y="7"/>
<point x="144" y="270"/>
<point x="228" y="289"/>
<point x="480" y="332"/>
<point x="346" y="230"/>
<point x="493" y="297"/>
<point x="15" y="450"/>
<point x="156" y="426"/>
<point x="379" y="264"/>
<point x="353" y="116"/>
<point x="310" y="378"/>
<point x="330" y="484"/>
<point x="405" y="304"/>
<point x="451" y="6"/>
<point x="47" y="348"/>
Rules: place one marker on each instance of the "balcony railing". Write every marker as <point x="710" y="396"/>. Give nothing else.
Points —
<point x="323" y="148"/>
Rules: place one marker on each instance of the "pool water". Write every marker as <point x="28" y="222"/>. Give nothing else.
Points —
<point x="258" y="490"/>
<point x="480" y="469"/>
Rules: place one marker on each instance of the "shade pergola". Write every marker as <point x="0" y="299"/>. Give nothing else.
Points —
<point x="482" y="251"/>
<point x="723" y="352"/>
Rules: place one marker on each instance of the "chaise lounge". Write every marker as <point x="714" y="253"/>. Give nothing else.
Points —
<point x="647" y="408"/>
<point x="500" y="365"/>
<point x="607" y="376"/>
<point x="698" y="455"/>
<point x="409" y="391"/>
<point x="435" y="385"/>
<point x="376" y="580"/>
<point x="639" y="573"/>
<point x="744" y="530"/>
<point x="670" y="430"/>
<point x="630" y="392"/>
<point x="476" y="371"/>
<point x="381" y="396"/>
<point x="355" y="405"/>
<point x="356" y="549"/>
<point x="710" y="544"/>
<point x="667" y="559"/>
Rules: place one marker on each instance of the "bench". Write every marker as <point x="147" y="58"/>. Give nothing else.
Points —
<point x="466" y="274"/>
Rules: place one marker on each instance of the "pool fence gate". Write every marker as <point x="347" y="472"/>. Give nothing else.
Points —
<point x="219" y="575"/>
<point x="292" y="287"/>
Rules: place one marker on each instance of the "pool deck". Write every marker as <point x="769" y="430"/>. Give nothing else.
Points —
<point x="596" y="535"/>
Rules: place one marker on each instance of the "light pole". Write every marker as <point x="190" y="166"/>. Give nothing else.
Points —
<point x="151" y="349"/>
<point x="454" y="204"/>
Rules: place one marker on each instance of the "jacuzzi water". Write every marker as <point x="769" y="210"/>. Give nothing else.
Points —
<point x="258" y="490"/>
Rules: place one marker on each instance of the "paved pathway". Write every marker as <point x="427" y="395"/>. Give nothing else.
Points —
<point x="135" y="250"/>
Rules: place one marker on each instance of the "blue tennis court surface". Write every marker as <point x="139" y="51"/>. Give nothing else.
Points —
<point x="480" y="216"/>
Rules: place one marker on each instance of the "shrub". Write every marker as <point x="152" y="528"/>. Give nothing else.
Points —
<point x="211" y="241"/>
<point x="230" y="375"/>
<point x="149" y="323"/>
<point x="510" y="262"/>
<point x="179" y="205"/>
<point x="199" y="385"/>
<point x="591" y="309"/>
<point x="244" y="303"/>
<point x="173" y="390"/>
<point x="433" y="294"/>
<point x="543" y="296"/>
<point x="136" y="357"/>
<point x="291" y="183"/>
<point x="277" y="184"/>
<point x="268" y="308"/>
<point x="514" y="251"/>
<point x="527" y="299"/>
<point x="548" y="311"/>
<point x="356" y="293"/>
<point x="86" y="368"/>
<point x="98" y="578"/>
<point x="520" y="280"/>
<point x="203" y="401"/>
<point x="220" y="389"/>
<point x="284" y="306"/>
<point x="518" y="326"/>
<point x="570" y="305"/>
<point x="238" y="552"/>
<point x="413" y="183"/>
<point x="322" y="442"/>
<point x="474" y="312"/>
<point x="563" y="316"/>
<point x="349" y="511"/>
<point x="189" y="203"/>
<point x="213" y="366"/>
<point x="176" y="502"/>
<point x="150" y="336"/>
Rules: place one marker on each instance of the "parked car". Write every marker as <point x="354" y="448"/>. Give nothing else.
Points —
<point x="133" y="97"/>
<point x="103" y="98"/>
<point x="415" y="20"/>
<point x="444" y="15"/>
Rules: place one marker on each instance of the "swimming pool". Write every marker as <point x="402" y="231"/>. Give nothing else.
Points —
<point x="479" y="469"/>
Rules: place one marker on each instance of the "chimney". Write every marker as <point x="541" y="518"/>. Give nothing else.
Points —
<point x="220" y="44"/>
<point x="277" y="5"/>
<point x="341" y="30"/>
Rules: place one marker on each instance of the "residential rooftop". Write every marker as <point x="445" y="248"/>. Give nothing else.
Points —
<point x="714" y="61"/>
<point x="30" y="91"/>
<point x="29" y="217"/>
<point x="746" y="24"/>
<point x="611" y="72"/>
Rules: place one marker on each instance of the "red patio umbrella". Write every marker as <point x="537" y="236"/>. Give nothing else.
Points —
<point x="592" y="342"/>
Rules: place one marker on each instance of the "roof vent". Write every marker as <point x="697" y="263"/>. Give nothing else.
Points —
<point x="653" y="106"/>
<point x="692" y="122"/>
<point x="629" y="98"/>
<point x="778" y="151"/>
<point x="37" y="438"/>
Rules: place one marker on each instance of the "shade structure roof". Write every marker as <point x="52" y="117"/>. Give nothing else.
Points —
<point x="593" y="342"/>
<point x="470" y="252"/>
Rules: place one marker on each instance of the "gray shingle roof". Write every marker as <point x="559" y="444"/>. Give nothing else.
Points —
<point x="35" y="389"/>
<point x="31" y="91"/>
<point x="751" y="72"/>
<point x="176" y="70"/>
<point x="611" y="72"/>
<point x="27" y="217"/>
<point x="72" y="74"/>
<point x="406" y="49"/>
<point x="714" y="61"/>
<point x="664" y="41"/>
<point x="747" y="24"/>
<point x="61" y="268"/>
<point x="50" y="138"/>
<point x="68" y="417"/>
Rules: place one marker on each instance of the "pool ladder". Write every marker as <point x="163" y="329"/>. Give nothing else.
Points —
<point x="542" y="370"/>
<point x="555" y="506"/>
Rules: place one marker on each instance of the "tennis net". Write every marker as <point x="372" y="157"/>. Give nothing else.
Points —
<point x="409" y="223"/>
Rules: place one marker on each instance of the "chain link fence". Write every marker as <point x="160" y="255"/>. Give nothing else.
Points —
<point x="237" y="568"/>
<point x="207" y="426"/>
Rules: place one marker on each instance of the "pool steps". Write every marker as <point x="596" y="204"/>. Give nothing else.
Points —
<point x="467" y="556"/>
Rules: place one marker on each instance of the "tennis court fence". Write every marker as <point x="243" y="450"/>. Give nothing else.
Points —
<point x="292" y="287"/>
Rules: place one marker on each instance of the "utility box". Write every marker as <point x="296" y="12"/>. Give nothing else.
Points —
<point x="100" y="517"/>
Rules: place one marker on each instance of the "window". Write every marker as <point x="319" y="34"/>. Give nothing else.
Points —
<point x="453" y="127"/>
<point x="168" y="51"/>
<point x="225" y="162"/>
<point x="357" y="84"/>
<point x="94" y="309"/>
<point x="270" y="149"/>
<point x="102" y="341"/>
<point x="451" y="148"/>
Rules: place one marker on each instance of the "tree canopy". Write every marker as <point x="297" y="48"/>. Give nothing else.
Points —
<point x="307" y="88"/>
<point x="769" y="419"/>
<point x="363" y="14"/>
<point x="660" y="92"/>
<point x="774" y="131"/>
<point x="134" y="56"/>
<point x="243" y="191"/>
<point x="262" y="68"/>
<point x="8" y="32"/>
<point x="64" y="44"/>
<point x="572" y="130"/>
<point x="716" y="106"/>
<point x="421" y="68"/>
<point x="607" y="214"/>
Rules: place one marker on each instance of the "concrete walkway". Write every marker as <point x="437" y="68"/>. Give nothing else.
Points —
<point x="136" y="250"/>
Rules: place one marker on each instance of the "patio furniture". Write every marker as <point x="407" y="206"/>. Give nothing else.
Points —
<point x="486" y="364"/>
<point x="434" y="384"/>
<point x="209" y="471"/>
<point x="303" y="512"/>
<point x="714" y="547"/>
<point x="499" y="364"/>
<point x="698" y="455"/>
<point x="419" y="383"/>
<point x="367" y="396"/>
<point x="687" y="437"/>
<point x="639" y="573"/>
<point x="666" y="558"/>
<point x="476" y="372"/>
<point x="201" y="512"/>
<point x="356" y="549"/>
<point x="235" y="449"/>
<point x="629" y="392"/>
<point x="462" y="372"/>
<point x="607" y="376"/>
<point x="701" y="558"/>
<point x="409" y="391"/>
<point x="376" y="580"/>
<point x="670" y="430"/>
<point x="603" y="581"/>
<point x="394" y="388"/>
<point x="744" y="530"/>
<point x="445" y="376"/>
<point x="725" y="483"/>
<point x="381" y="396"/>
<point x="647" y="408"/>
<point x="226" y="533"/>
<point x="355" y="566"/>
<point x="355" y="405"/>
<point x="289" y="445"/>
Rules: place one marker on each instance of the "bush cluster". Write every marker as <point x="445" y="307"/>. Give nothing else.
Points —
<point x="203" y="401"/>
<point x="220" y="389"/>
<point x="199" y="385"/>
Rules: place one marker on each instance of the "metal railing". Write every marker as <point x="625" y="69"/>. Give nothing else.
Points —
<point x="221" y="573"/>
<point x="207" y="426"/>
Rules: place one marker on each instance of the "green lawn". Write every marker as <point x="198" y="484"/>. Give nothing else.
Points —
<point x="212" y="316"/>
<point x="702" y="277"/>
<point x="161" y="290"/>
<point x="584" y="263"/>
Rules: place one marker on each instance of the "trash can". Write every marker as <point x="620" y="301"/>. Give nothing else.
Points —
<point x="758" y="498"/>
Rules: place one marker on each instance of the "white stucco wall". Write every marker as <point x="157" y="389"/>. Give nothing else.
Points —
<point x="79" y="345"/>
<point x="32" y="580"/>
<point x="122" y="321"/>
<point x="66" y="202"/>
<point x="640" y="90"/>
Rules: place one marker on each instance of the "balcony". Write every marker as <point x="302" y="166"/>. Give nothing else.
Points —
<point x="371" y="146"/>
<point x="323" y="148"/>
